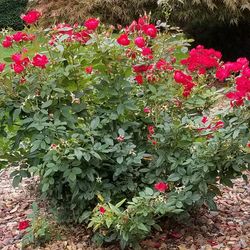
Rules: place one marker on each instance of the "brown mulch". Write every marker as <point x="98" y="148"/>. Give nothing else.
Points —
<point x="226" y="229"/>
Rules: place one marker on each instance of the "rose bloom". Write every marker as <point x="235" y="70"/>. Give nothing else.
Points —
<point x="120" y="138"/>
<point x="139" y="79"/>
<point x="123" y="40"/>
<point x="140" y="42"/>
<point x="2" y="66"/>
<point x="102" y="210"/>
<point x="89" y="69"/>
<point x="6" y="43"/>
<point x="92" y="23"/>
<point x="147" y="110"/>
<point x="18" y="68"/>
<point x="31" y="17"/>
<point x="248" y="144"/>
<point x="161" y="186"/>
<point x="40" y="61"/>
<point x="23" y="225"/>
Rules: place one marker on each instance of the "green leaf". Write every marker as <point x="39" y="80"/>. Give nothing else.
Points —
<point x="119" y="160"/>
<point x="149" y="191"/>
<point x="16" y="181"/>
<point x="121" y="132"/>
<point x="46" y="104"/>
<point x="84" y="216"/>
<point x="86" y="156"/>
<point x="95" y="122"/>
<point x="78" y="153"/>
<point x="203" y="187"/>
<point x="76" y="170"/>
<point x="174" y="177"/>
<point x="142" y="227"/>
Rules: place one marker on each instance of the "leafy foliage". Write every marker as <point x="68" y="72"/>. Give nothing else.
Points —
<point x="102" y="118"/>
<point x="198" y="11"/>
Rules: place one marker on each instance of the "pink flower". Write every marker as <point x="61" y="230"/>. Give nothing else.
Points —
<point x="31" y="17"/>
<point x="54" y="146"/>
<point x="92" y="23"/>
<point x="2" y="66"/>
<point x="147" y="110"/>
<point x="150" y="30"/>
<point x="102" y="210"/>
<point x="40" y="61"/>
<point x="120" y="138"/>
<point x="140" y="42"/>
<point x="161" y="186"/>
<point x="123" y="40"/>
<point x="204" y="119"/>
<point x="89" y="69"/>
<point x="139" y="79"/>
<point x="23" y="225"/>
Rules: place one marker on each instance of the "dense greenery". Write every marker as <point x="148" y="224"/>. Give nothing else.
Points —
<point x="10" y="11"/>
<point x="123" y="119"/>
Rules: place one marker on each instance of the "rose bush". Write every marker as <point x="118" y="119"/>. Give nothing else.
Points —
<point x="102" y="117"/>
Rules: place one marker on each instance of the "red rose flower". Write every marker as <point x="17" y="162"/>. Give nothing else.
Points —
<point x="161" y="186"/>
<point x="2" y="66"/>
<point x="147" y="110"/>
<point x="40" y="61"/>
<point x="23" y="225"/>
<point x="120" y="138"/>
<point x="248" y="144"/>
<point x="92" y="23"/>
<point x="146" y="51"/>
<point x="150" y="30"/>
<point x="204" y="119"/>
<point x="102" y="210"/>
<point x="31" y="17"/>
<point x="89" y="69"/>
<point x="123" y="40"/>
<point x="140" y="42"/>
<point x="139" y="79"/>
<point x="7" y="43"/>
<point x="18" y="68"/>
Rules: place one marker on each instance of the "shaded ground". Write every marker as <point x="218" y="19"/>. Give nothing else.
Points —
<point x="227" y="229"/>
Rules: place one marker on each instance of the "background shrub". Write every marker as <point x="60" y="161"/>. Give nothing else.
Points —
<point x="222" y="25"/>
<point x="10" y="11"/>
<point x="110" y="11"/>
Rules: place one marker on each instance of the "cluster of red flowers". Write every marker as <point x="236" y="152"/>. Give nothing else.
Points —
<point x="242" y="89"/>
<point x="75" y="33"/>
<point x="20" y="62"/>
<point x="143" y="32"/>
<point x="185" y="80"/>
<point x="201" y="59"/>
<point x="17" y="37"/>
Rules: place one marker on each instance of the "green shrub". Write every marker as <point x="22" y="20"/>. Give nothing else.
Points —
<point x="10" y="11"/>
<point x="103" y="119"/>
<point x="226" y="11"/>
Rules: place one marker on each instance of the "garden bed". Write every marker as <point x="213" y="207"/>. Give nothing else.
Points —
<point x="229" y="228"/>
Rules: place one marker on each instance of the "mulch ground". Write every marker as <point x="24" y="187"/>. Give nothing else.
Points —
<point x="226" y="229"/>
